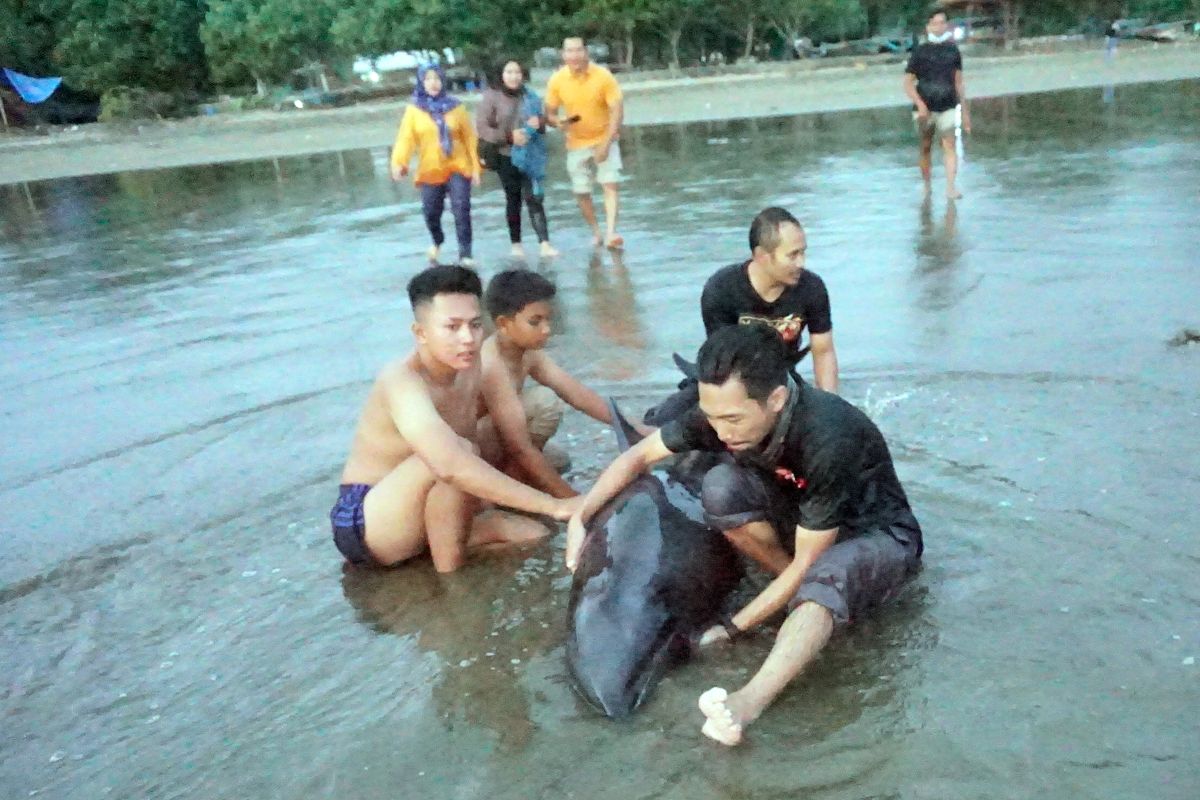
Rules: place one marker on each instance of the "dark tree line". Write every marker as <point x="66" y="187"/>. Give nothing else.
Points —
<point x="196" y="46"/>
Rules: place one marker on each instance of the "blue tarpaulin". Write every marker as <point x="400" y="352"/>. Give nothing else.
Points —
<point x="32" y="90"/>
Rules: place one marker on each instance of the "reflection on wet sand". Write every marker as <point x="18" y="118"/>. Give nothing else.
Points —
<point x="939" y="250"/>
<point x="884" y="651"/>
<point x="483" y="623"/>
<point x="612" y="300"/>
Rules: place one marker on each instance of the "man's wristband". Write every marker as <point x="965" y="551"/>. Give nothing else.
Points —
<point x="731" y="628"/>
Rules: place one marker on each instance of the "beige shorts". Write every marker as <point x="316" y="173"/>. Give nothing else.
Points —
<point x="941" y="123"/>
<point x="585" y="172"/>
<point x="543" y="413"/>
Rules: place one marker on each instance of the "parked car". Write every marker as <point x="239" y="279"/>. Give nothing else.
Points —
<point x="974" y="29"/>
<point x="1128" y="28"/>
<point x="803" y="47"/>
<point x="1162" y="32"/>
<point x="875" y="45"/>
<point x="893" y="42"/>
<point x="316" y="98"/>
<point x="547" y="58"/>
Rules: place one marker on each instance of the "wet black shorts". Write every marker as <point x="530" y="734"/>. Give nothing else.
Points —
<point x="853" y="575"/>
<point x="349" y="526"/>
<point x="734" y="495"/>
<point x="864" y="571"/>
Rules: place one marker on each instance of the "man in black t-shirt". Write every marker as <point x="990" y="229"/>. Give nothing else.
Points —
<point x="808" y="491"/>
<point x="772" y="288"/>
<point x="933" y="80"/>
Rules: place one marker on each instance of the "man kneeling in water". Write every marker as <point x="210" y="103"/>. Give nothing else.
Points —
<point x="808" y="491"/>
<point x="413" y="480"/>
<point x="521" y="419"/>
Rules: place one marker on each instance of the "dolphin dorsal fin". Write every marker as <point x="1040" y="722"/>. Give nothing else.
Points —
<point x="627" y="437"/>
<point x="686" y="367"/>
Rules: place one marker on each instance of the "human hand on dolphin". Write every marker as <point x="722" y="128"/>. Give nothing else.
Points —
<point x="567" y="508"/>
<point x="575" y="534"/>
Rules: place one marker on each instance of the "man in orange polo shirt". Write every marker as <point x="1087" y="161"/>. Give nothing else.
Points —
<point x="590" y="98"/>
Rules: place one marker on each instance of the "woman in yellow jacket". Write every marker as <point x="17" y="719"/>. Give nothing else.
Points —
<point x="436" y="127"/>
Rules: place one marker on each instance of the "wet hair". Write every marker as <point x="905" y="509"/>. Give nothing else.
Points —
<point x="442" y="279"/>
<point x="764" y="230"/>
<point x="512" y="290"/>
<point x="754" y="354"/>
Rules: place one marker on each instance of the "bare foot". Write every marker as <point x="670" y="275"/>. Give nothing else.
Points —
<point x="433" y="252"/>
<point x="597" y="239"/>
<point x="497" y="526"/>
<point x="547" y="250"/>
<point x="722" y="725"/>
<point x="953" y="194"/>
<point x="615" y="242"/>
<point x="518" y="251"/>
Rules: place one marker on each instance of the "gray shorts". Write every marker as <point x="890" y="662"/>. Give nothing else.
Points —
<point x="862" y="572"/>
<point x="734" y="495"/>
<point x="857" y="573"/>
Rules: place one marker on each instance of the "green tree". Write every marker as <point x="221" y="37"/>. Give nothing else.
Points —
<point x="150" y="44"/>
<point x="837" y="19"/>
<point x="670" y="18"/>
<point x="485" y="31"/>
<point x="265" y="40"/>
<point x="31" y="30"/>
<point x="621" y="20"/>
<point x="1164" y="10"/>
<point x="814" y="18"/>
<point x="373" y="27"/>
<point x="745" y="20"/>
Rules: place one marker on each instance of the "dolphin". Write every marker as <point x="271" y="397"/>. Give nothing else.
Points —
<point x="651" y="575"/>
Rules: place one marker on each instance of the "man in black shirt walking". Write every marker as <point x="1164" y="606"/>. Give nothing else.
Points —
<point x="807" y="490"/>
<point x="933" y="80"/>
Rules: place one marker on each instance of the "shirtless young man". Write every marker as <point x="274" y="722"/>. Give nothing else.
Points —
<point x="523" y="419"/>
<point x="413" y="480"/>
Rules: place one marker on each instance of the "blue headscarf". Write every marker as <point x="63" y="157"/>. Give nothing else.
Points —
<point x="437" y="106"/>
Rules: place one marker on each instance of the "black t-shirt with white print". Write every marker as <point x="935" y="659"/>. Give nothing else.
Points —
<point x="729" y="299"/>
<point x="934" y="66"/>
<point x="834" y="461"/>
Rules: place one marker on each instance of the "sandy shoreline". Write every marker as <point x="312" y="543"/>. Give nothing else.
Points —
<point x="776" y="89"/>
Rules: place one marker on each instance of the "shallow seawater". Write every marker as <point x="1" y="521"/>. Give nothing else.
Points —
<point x="184" y="353"/>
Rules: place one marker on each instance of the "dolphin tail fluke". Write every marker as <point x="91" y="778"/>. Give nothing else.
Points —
<point x="627" y="435"/>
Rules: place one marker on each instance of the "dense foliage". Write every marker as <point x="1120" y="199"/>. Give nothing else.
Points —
<point x="190" y="46"/>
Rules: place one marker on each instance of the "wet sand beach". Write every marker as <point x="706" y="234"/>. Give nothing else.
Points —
<point x="184" y="351"/>
<point x="774" y="89"/>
